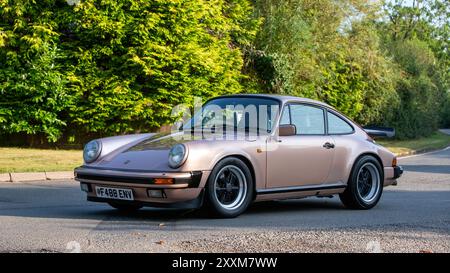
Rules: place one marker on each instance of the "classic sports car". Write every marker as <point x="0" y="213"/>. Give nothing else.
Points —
<point x="238" y="149"/>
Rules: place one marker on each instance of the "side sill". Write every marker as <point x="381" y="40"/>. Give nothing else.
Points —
<point x="299" y="189"/>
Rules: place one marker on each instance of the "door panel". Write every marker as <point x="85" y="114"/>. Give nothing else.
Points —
<point x="304" y="158"/>
<point x="298" y="161"/>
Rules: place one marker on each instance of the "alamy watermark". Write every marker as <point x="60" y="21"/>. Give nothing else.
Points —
<point x="374" y="247"/>
<point x="73" y="247"/>
<point x="225" y="118"/>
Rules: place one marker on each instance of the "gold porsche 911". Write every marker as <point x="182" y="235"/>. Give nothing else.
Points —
<point x="239" y="149"/>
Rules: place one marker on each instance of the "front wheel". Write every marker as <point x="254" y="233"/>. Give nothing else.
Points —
<point x="365" y="184"/>
<point x="229" y="190"/>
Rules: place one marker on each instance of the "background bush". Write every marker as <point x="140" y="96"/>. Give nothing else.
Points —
<point x="379" y="63"/>
<point x="110" y="67"/>
<point x="74" y="70"/>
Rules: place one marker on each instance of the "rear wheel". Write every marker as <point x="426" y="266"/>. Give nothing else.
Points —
<point x="365" y="184"/>
<point x="125" y="207"/>
<point x="229" y="189"/>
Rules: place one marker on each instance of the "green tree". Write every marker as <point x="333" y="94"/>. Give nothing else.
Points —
<point x="327" y="50"/>
<point x="32" y="86"/>
<point x="81" y="69"/>
<point x="108" y="67"/>
<point x="416" y="36"/>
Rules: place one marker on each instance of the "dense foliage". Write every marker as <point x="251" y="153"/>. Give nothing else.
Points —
<point x="417" y="37"/>
<point x="75" y="69"/>
<point x="110" y="67"/>
<point x="379" y="64"/>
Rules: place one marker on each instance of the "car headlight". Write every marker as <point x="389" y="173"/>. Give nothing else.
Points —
<point x="92" y="151"/>
<point x="177" y="155"/>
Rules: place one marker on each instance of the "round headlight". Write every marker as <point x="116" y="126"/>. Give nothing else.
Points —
<point x="91" y="151"/>
<point x="177" y="155"/>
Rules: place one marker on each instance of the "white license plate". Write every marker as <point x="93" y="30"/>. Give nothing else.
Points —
<point x="114" y="193"/>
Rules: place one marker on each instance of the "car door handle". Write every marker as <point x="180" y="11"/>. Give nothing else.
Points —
<point x="328" y="145"/>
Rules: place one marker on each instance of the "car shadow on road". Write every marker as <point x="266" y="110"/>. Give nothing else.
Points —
<point x="255" y="209"/>
<point x="81" y="209"/>
<point x="283" y="214"/>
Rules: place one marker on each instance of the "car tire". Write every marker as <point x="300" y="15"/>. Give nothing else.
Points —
<point x="125" y="207"/>
<point x="365" y="185"/>
<point x="229" y="189"/>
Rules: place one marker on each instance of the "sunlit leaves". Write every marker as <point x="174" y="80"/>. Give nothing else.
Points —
<point x="110" y="67"/>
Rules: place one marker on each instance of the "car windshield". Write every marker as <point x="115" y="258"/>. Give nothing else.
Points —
<point x="235" y="114"/>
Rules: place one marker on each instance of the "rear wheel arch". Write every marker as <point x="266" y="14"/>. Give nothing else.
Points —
<point x="352" y="196"/>
<point x="374" y="155"/>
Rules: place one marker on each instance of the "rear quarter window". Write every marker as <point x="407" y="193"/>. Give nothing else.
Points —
<point x="337" y="125"/>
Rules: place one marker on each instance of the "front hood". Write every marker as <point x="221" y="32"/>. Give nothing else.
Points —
<point x="163" y="141"/>
<point x="150" y="154"/>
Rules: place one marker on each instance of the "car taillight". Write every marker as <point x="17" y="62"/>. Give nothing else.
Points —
<point x="394" y="162"/>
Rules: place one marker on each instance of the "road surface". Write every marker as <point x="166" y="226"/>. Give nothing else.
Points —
<point x="411" y="217"/>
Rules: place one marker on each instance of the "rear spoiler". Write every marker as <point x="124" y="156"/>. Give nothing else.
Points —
<point x="376" y="131"/>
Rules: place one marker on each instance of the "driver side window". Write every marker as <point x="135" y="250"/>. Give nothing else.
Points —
<point x="308" y="119"/>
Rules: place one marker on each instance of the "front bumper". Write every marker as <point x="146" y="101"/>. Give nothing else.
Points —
<point x="185" y="192"/>
<point x="189" y="204"/>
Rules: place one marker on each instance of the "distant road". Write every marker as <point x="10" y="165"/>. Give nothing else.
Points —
<point x="412" y="217"/>
<point x="445" y="131"/>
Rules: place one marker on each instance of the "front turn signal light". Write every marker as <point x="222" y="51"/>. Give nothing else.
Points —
<point x="163" y="181"/>
<point x="394" y="162"/>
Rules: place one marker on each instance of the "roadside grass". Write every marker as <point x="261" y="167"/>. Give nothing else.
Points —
<point x="38" y="160"/>
<point x="436" y="141"/>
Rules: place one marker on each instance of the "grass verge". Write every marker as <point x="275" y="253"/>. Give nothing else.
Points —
<point x="38" y="160"/>
<point x="436" y="141"/>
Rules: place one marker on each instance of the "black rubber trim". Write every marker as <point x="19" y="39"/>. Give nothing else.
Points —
<point x="190" y="204"/>
<point x="398" y="171"/>
<point x="193" y="182"/>
<point x="123" y="170"/>
<point x="298" y="189"/>
<point x="114" y="178"/>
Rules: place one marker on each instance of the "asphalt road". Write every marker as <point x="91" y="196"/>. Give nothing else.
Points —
<point x="411" y="217"/>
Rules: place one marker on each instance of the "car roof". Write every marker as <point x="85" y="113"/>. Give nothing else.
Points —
<point x="281" y="98"/>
